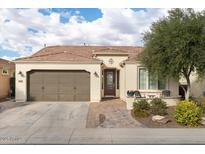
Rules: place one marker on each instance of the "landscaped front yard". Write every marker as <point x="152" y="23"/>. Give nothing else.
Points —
<point x="156" y="114"/>
<point x="147" y="121"/>
<point x="113" y="114"/>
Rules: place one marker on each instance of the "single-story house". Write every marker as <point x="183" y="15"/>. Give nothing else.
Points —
<point x="7" y="69"/>
<point x="86" y="73"/>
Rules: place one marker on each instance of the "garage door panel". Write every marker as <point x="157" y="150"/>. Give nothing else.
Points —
<point x="36" y="96"/>
<point x="66" y="97"/>
<point x="82" y="83"/>
<point x="66" y="90"/>
<point x="50" y="97"/>
<point x="36" y="86"/>
<point x="59" y="86"/>
<point x="67" y="81"/>
<point x="36" y="81"/>
<point x="82" y="97"/>
<point x="50" y="81"/>
<point x="83" y="90"/>
<point x="50" y="87"/>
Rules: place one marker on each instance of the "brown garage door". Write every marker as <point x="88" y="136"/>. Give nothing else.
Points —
<point x="59" y="86"/>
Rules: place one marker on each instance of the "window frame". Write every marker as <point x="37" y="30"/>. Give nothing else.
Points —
<point x="148" y="80"/>
<point x="118" y="79"/>
<point x="102" y="82"/>
<point x="139" y="78"/>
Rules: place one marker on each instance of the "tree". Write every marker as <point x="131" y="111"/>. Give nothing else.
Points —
<point x="175" y="46"/>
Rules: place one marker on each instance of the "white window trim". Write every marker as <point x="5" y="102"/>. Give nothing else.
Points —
<point x="138" y="77"/>
<point x="147" y="81"/>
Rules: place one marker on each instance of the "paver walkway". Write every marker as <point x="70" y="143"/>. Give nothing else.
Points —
<point x="115" y="112"/>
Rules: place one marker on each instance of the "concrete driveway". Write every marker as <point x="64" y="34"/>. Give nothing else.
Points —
<point x="42" y="122"/>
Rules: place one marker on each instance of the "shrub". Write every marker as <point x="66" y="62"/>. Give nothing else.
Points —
<point x="187" y="113"/>
<point x="158" y="107"/>
<point x="141" y="108"/>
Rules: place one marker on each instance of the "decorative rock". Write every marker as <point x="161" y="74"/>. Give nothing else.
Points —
<point x="164" y="121"/>
<point x="203" y="120"/>
<point x="157" y="118"/>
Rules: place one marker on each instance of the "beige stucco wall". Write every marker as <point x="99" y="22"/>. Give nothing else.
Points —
<point x="197" y="88"/>
<point x="131" y="77"/>
<point x="173" y="86"/>
<point x="21" y="82"/>
<point x="4" y="85"/>
<point x="117" y="60"/>
<point x="197" y="85"/>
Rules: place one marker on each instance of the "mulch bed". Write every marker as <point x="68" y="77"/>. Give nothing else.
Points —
<point x="147" y="121"/>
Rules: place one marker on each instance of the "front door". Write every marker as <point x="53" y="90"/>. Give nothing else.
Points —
<point x="109" y="82"/>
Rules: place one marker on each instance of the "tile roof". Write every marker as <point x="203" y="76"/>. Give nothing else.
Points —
<point x="80" y="53"/>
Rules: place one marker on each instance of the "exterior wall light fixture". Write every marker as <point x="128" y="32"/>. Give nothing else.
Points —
<point x="96" y="74"/>
<point x="21" y="74"/>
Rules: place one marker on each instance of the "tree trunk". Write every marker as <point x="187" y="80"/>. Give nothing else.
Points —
<point x="187" y="93"/>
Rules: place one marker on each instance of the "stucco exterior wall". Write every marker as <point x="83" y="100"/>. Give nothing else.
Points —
<point x="173" y="86"/>
<point x="4" y="86"/>
<point x="21" y="81"/>
<point x="197" y="85"/>
<point x="197" y="88"/>
<point x="5" y="83"/>
<point x="122" y="84"/>
<point x="131" y="77"/>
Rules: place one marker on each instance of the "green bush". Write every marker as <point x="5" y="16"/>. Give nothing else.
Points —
<point x="158" y="107"/>
<point x="187" y="113"/>
<point x="141" y="108"/>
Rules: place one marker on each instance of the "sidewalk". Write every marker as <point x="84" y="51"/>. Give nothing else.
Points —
<point x="109" y="136"/>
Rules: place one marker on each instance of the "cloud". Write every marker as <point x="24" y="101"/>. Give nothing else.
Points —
<point x="27" y="30"/>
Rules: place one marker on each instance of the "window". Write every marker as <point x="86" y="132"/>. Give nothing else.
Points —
<point x="102" y="79"/>
<point x="162" y="84"/>
<point x="142" y="78"/>
<point x="5" y="71"/>
<point x="146" y="81"/>
<point x="118" y="79"/>
<point x="153" y="83"/>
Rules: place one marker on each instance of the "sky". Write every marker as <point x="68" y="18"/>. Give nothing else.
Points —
<point x="25" y="31"/>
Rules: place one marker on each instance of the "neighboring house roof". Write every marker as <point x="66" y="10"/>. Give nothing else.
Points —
<point x="80" y="53"/>
<point x="6" y="63"/>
